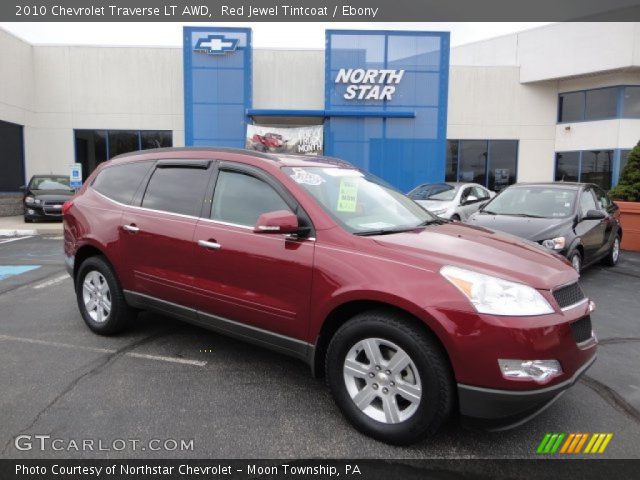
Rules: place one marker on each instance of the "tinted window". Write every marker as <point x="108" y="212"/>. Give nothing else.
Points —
<point x="12" y="159"/>
<point x="120" y="182"/>
<point x="632" y="102"/>
<point x="176" y="190"/>
<point x="241" y="199"/>
<point x="155" y="139"/>
<point x="480" y="193"/>
<point x="503" y="160"/>
<point x="473" y="161"/>
<point x="451" y="173"/>
<point x="567" y="166"/>
<point x="624" y="157"/>
<point x="603" y="198"/>
<point x="602" y="103"/>
<point x="571" y="107"/>
<point x="535" y="201"/>
<point x="123" y="141"/>
<point x="587" y="202"/>
<point x="596" y="167"/>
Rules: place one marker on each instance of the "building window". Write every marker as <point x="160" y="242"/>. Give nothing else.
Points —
<point x="95" y="146"/>
<point x="601" y="103"/>
<point x="571" y="107"/>
<point x="492" y="163"/>
<point x="12" y="159"/>
<point x="590" y="166"/>
<point x="631" y="100"/>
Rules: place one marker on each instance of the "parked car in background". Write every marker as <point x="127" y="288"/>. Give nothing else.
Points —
<point x="576" y="220"/>
<point x="409" y="317"/>
<point x="453" y="201"/>
<point x="44" y="197"/>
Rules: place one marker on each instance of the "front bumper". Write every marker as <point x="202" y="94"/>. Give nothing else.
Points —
<point x="503" y="409"/>
<point x="42" y="212"/>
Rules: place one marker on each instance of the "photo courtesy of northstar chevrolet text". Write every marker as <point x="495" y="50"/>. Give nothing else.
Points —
<point x="275" y="246"/>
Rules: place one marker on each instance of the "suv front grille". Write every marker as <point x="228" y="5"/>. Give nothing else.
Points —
<point x="568" y="295"/>
<point x="582" y="329"/>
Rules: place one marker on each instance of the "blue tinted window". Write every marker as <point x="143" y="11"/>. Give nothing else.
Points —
<point x="571" y="107"/>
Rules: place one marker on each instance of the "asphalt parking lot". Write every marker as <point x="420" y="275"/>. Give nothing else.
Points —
<point x="166" y="380"/>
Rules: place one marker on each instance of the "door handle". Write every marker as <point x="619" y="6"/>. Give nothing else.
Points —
<point x="130" y="228"/>
<point x="209" y="244"/>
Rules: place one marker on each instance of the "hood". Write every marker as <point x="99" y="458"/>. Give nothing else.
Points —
<point x="534" y="229"/>
<point x="480" y="249"/>
<point x="435" y="204"/>
<point x="51" y="195"/>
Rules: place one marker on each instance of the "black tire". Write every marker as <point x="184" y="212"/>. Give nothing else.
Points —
<point x="576" y="260"/>
<point x="28" y="220"/>
<point x="438" y="392"/>
<point x="613" y="255"/>
<point x="455" y="218"/>
<point x="120" y="313"/>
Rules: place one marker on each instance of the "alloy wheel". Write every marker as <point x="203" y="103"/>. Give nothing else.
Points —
<point x="96" y="296"/>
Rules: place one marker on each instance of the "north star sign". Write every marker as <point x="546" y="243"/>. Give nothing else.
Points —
<point x="371" y="84"/>
<point x="216" y="44"/>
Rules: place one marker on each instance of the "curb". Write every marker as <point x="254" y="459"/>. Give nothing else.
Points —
<point x="17" y="233"/>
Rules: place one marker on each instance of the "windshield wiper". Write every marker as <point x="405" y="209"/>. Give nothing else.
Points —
<point x="527" y="215"/>
<point x="388" y="231"/>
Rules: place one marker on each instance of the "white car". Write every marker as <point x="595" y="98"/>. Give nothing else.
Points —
<point x="453" y="200"/>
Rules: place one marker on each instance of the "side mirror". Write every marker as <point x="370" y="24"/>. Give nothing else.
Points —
<point x="280" y="221"/>
<point x="594" y="215"/>
<point x="470" y="199"/>
<point x="23" y="188"/>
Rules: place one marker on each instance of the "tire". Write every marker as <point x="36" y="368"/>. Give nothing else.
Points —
<point x="97" y="272"/>
<point x="455" y="217"/>
<point x="424" y="389"/>
<point x="614" y="253"/>
<point x="576" y="260"/>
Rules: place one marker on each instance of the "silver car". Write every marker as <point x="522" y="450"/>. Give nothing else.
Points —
<point x="452" y="200"/>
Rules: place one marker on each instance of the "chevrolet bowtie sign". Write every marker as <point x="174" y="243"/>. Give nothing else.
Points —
<point x="371" y="84"/>
<point x="216" y="45"/>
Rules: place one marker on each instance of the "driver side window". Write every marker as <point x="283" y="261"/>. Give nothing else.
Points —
<point x="240" y="199"/>
<point x="587" y="202"/>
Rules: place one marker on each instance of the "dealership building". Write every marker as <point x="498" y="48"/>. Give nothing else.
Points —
<point x="560" y="102"/>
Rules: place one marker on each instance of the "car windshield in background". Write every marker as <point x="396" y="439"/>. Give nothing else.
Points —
<point x="360" y="203"/>
<point x="542" y="202"/>
<point x="444" y="193"/>
<point x="50" y="183"/>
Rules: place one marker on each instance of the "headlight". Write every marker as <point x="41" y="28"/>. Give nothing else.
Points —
<point x="554" y="243"/>
<point x="439" y="212"/>
<point x="29" y="200"/>
<point x="496" y="296"/>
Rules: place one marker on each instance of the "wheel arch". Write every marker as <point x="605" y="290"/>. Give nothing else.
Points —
<point x="86" y="251"/>
<point x="344" y="312"/>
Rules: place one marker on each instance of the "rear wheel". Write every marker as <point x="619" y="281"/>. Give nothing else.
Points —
<point x="100" y="297"/>
<point x="614" y="253"/>
<point x="389" y="377"/>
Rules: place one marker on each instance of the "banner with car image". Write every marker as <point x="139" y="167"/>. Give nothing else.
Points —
<point x="307" y="140"/>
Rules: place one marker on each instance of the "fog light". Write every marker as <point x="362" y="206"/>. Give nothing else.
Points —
<point x="30" y="211"/>
<point x="540" y="371"/>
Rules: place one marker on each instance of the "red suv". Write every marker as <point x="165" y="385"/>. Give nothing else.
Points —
<point x="408" y="317"/>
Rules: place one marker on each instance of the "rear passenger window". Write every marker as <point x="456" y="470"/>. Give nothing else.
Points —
<point x="176" y="190"/>
<point x="120" y="182"/>
<point x="241" y="199"/>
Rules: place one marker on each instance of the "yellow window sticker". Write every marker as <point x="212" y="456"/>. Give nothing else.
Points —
<point x="348" y="195"/>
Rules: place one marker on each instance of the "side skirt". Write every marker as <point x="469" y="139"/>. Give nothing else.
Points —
<point x="257" y="336"/>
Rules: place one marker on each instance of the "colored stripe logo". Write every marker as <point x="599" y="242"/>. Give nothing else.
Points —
<point x="573" y="443"/>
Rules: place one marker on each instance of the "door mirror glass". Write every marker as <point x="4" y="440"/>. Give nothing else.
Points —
<point x="594" y="215"/>
<point x="280" y="221"/>
<point x="470" y="199"/>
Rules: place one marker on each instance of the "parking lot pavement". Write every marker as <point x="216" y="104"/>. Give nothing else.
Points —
<point x="166" y="380"/>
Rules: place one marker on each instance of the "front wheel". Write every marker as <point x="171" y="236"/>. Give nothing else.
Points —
<point x="100" y="297"/>
<point x="389" y="377"/>
<point x="576" y="261"/>
<point x="614" y="253"/>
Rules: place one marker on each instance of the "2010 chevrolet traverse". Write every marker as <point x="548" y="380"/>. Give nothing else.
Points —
<point x="408" y="317"/>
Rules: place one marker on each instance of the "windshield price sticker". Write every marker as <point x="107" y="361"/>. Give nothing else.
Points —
<point x="348" y="195"/>
<point x="301" y="176"/>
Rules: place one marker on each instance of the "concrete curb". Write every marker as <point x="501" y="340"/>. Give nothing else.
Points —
<point x="17" y="233"/>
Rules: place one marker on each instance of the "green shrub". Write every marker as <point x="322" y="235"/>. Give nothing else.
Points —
<point x="628" y="187"/>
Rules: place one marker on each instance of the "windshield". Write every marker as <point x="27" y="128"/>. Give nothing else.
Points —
<point x="50" y="183"/>
<point x="428" y="190"/>
<point x="443" y="194"/>
<point x="361" y="203"/>
<point x="543" y="202"/>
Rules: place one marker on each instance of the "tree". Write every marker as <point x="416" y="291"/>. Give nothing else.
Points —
<point x="628" y="187"/>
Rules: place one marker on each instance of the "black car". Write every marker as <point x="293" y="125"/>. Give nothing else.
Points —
<point x="577" y="220"/>
<point x="44" y="196"/>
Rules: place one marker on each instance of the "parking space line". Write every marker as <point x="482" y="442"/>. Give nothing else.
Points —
<point x="15" y="239"/>
<point x="53" y="281"/>
<point x="48" y="343"/>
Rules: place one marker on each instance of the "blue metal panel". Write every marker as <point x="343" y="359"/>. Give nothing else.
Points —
<point x="217" y="88"/>
<point x="253" y="112"/>
<point x="404" y="150"/>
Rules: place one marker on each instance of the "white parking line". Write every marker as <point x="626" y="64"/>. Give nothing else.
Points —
<point x="14" y="239"/>
<point x="53" y="281"/>
<point x="48" y="343"/>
